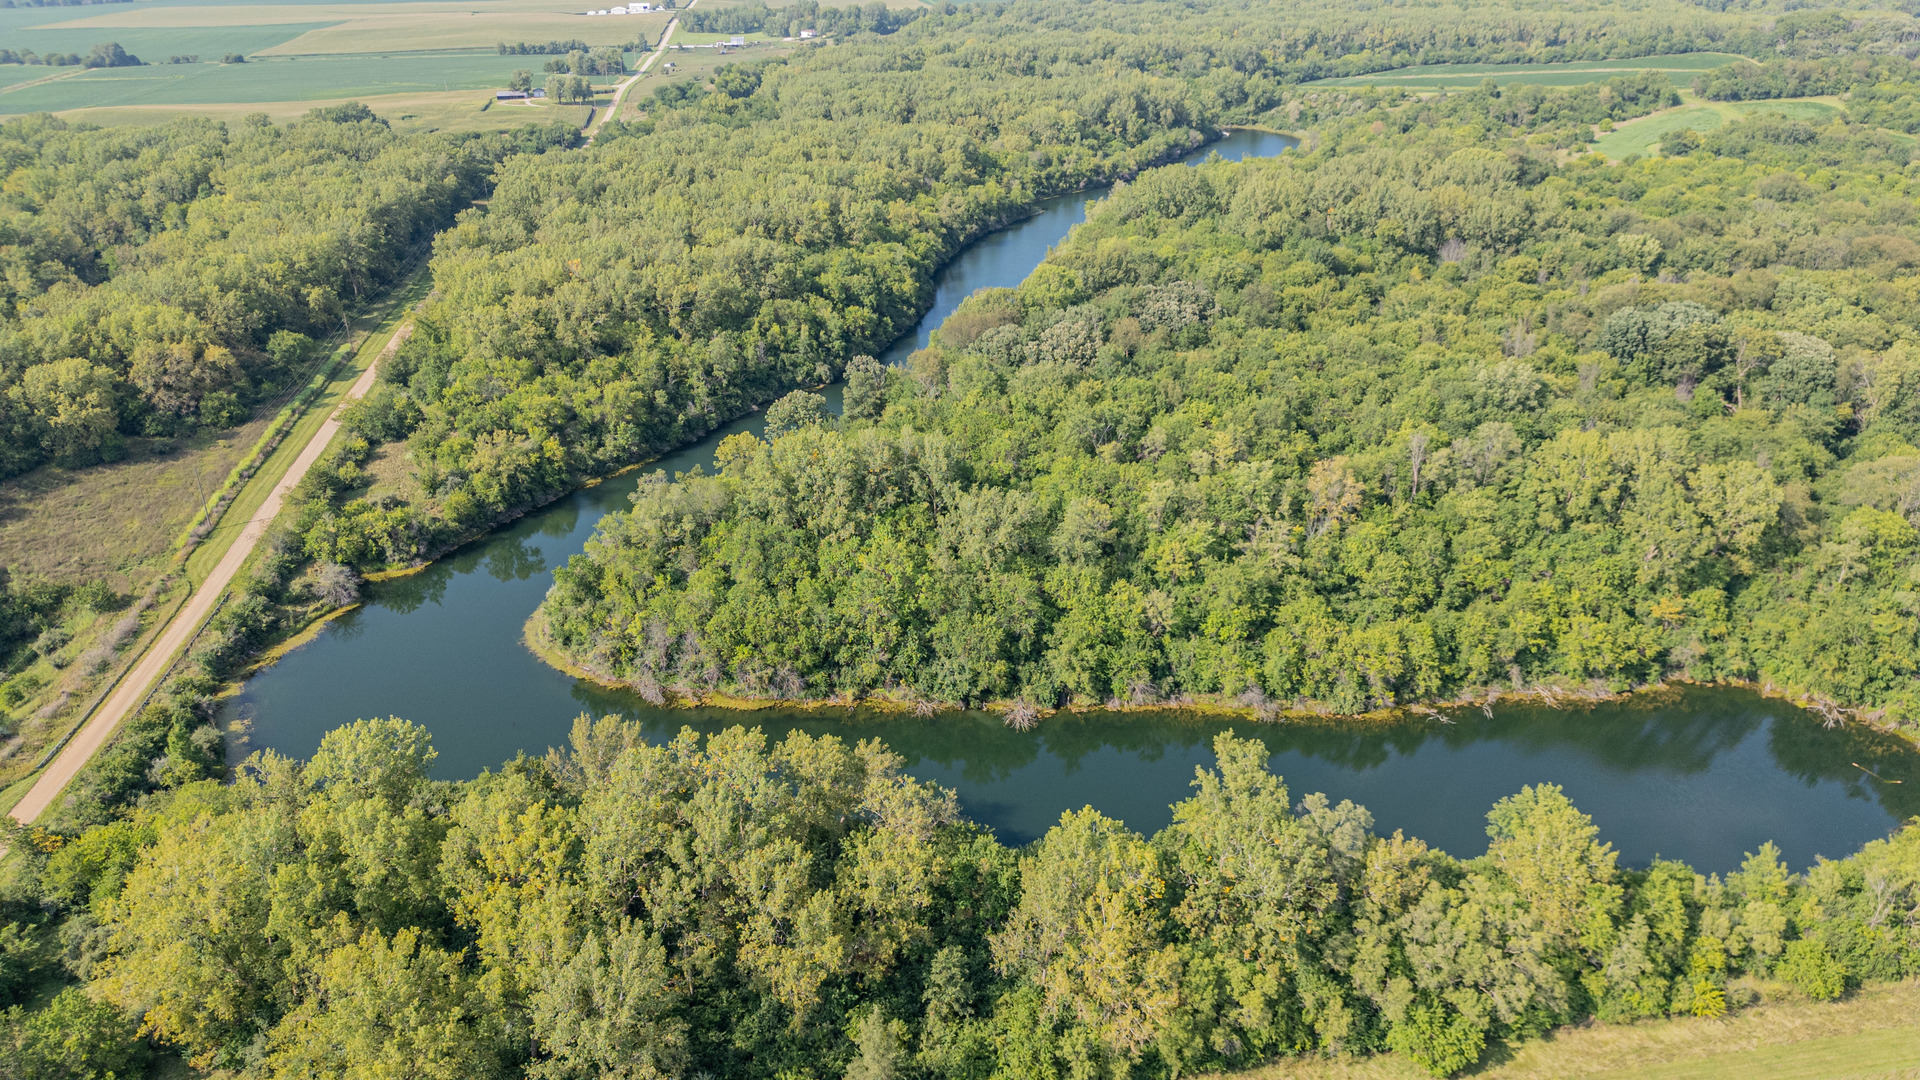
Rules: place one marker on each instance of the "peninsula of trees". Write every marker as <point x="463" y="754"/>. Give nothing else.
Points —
<point x="1425" y="410"/>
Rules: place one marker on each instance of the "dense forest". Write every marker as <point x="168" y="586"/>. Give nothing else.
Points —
<point x="755" y="233"/>
<point x="159" y="279"/>
<point x="1416" y="414"/>
<point x="1437" y="405"/>
<point x="802" y="909"/>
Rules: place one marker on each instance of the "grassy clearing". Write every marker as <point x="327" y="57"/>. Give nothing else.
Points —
<point x="1681" y="67"/>
<point x="692" y="65"/>
<point x="1874" y="1033"/>
<point x="688" y="37"/>
<point x="1643" y="136"/>
<point x="75" y="525"/>
<point x="48" y="698"/>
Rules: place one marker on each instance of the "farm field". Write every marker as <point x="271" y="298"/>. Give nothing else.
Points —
<point x="302" y="79"/>
<point x="1642" y="136"/>
<point x="464" y="31"/>
<point x="455" y="111"/>
<point x="297" y="52"/>
<point x="1681" y="67"/>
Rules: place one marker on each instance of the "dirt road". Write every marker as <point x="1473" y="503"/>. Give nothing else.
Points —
<point x="620" y="92"/>
<point x="133" y="689"/>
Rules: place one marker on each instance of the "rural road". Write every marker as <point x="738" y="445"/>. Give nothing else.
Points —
<point x="620" y="92"/>
<point x="133" y="689"/>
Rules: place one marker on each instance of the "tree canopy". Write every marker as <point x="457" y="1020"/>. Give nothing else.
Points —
<point x="1398" y="419"/>
<point x="734" y="905"/>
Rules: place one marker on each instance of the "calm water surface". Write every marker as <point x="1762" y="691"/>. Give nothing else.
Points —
<point x="1702" y="775"/>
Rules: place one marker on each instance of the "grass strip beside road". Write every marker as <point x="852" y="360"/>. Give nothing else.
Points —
<point x="385" y="321"/>
<point x="250" y="517"/>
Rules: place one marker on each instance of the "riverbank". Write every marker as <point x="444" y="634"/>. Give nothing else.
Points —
<point x="987" y="228"/>
<point x="1024" y="716"/>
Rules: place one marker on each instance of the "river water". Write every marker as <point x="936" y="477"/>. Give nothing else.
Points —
<point x="1702" y="775"/>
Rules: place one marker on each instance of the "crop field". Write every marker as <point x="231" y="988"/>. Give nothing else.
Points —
<point x="1642" y="136"/>
<point x="289" y="79"/>
<point x="458" y="111"/>
<point x="154" y="44"/>
<point x="1680" y="67"/>
<point x="298" y="54"/>
<point x="460" y="30"/>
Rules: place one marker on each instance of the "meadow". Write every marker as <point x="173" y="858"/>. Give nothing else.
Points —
<point x="1644" y="135"/>
<point x="1679" y="67"/>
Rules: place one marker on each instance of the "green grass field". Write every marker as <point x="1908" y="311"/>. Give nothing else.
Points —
<point x="1874" y="1033"/>
<point x="1644" y="135"/>
<point x="1680" y="67"/>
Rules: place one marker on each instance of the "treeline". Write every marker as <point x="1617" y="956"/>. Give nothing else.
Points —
<point x="1880" y="91"/>
<point x="608" y="61"/>
<point x="1416" y="414"/>
<point x="1783" y="78"/>
<point x="158" y="279"/>
<point x="788" y="21"/>
<point x="551" y="48"/>
<point x="732" y="906"/>
<point x="107" y="55"/>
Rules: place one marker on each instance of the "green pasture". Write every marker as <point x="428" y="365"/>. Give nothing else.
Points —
<point x="1642" y="135"/>
<point x="314" y="78"/>
<point x="1679" y="66"/>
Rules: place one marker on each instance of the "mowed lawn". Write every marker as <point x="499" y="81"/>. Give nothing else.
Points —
<point x="1644" y="135"/>
<point x="1680" y="67"/>
<point x="1874" y="1033"/>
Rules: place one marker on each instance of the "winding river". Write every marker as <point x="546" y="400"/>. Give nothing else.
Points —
<point x="1700" y="774"/>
